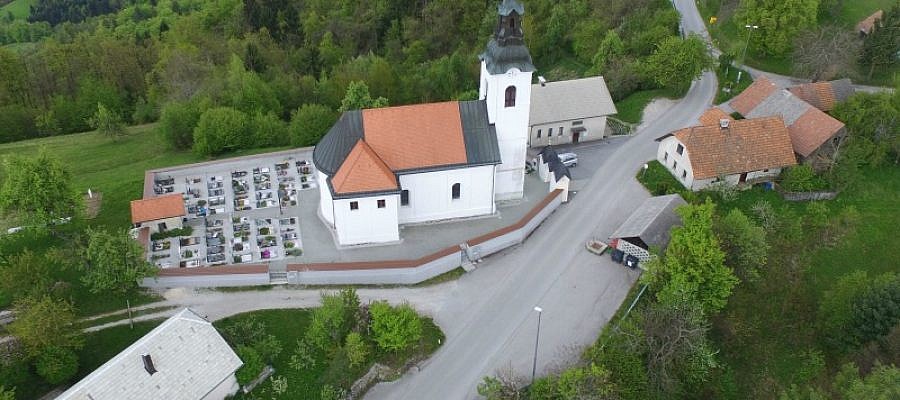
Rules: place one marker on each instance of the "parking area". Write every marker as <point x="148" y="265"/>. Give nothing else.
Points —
<point x="590" y="155"/>
<point x="243" y="210"/>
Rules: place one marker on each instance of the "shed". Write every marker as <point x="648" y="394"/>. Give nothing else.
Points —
<point x="648" y="226"/>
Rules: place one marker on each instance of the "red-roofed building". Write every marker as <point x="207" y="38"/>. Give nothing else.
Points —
<point x="158" y="213"/>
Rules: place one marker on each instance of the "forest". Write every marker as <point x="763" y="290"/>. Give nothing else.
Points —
<point x="283" y="67"/>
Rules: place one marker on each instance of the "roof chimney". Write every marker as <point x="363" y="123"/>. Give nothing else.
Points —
<point x="723" y="123"/>
<point x="542" y="81"/>
<point x="148" y="364"/>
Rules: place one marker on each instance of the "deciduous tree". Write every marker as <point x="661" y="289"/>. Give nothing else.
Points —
<point x="113" y="262"/>
<point x="779" y="21"/>
<point x="825" y="53"/>
<point x="42" y="323"/>
<point x="395" y="328"/>
<point x="358" y="98"/>
<point x="38" y="188"/>
<point x="744" y="244"/>
<point x="107" y="122"/>
<point x="25" y="274"/>
<point x="57" y="364"/>
<point x="881" y="47"/>
<point x="309" y="123"/>
<point x="677" y="62"/>
<point x="221" y="129"/>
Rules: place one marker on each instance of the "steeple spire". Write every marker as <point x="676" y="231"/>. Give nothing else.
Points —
<point x="509" y="27"/>
<point x="507" y="48"/>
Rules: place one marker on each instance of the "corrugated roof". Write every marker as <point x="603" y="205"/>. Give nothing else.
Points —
<point x="190" y="357"/>
<point x="156" y="208"/>
<point x="479" y="135"/>
<point x="824" y="95"/>
<point x="714" y="116"/>
<point x="746" y="145"/>
<point x="754" y="94"/>
<point x="570" y="100"/>
<point x="416" y="136"/>
<point x="652" y="221"/>
<point x="363" y="172"/>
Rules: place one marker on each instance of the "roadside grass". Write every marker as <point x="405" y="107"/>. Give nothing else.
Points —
<point x="114" y="167"/>
<point x="448" y="276"/>
<point x="659" y="181"/>
<point x="729" y="86"/>
<point x="289" y="326"/>
<point x="20" y="9"/>
<point x="631" y="108"/>
<point x="102" y="345"/>
<point x="87" y="323"/>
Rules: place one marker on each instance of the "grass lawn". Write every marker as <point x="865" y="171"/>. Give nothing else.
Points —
<point x="20" y="9"/>
<point x="729" y="86"/>
<point x="659" y="181"/>
<point x="288" y="326"/>
<point x="113" y="167"/>
<point x="631" y="108"/>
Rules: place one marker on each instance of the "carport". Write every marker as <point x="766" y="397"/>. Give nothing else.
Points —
<point x="648" y="227"/>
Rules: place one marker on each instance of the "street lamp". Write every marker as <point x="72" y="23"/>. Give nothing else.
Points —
<point x="750" y="29"/>
<point x="536" y="339"/>
<point x="644" y="169"/>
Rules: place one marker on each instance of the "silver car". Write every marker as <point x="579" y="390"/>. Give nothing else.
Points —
<point x="569" y="159"/>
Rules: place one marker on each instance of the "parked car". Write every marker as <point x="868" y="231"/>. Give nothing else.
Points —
<point x="569" y="159"/>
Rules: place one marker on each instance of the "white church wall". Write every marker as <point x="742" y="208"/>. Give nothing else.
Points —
<point x="326" y="206"/>
<point x="430" y="194"/>
<point x="512" y="127"/>
<point x="367" y="223"/>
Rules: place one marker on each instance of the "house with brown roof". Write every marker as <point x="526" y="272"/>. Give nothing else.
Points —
<point x="158" y="214"/>
<point x="738" y="152"/>
<point x="867" y="26"/>
<point x="824" y="95"/>
<point x="815" y="135"/>
<point x="381" y="168"/>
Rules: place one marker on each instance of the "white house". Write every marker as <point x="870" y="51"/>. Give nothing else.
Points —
<point x="570" y="111"/>
<point x="430" y="162"/>
<point x="184" y="358"/>
<point x="740" y="152"/>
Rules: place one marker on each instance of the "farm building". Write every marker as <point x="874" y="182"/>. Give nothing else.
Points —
<point x="570" y="111"/>
<point x="648" y="228"/>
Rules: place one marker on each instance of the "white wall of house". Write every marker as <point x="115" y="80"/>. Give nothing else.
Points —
<point x="227" y="388"/>
<point x="430" y="194"/>
<point x="595" y="129"/>
<point x="512" y="127"/>
<point x="326" y="206"/>
<point x="367" y="223"/>
<point x="679" y="165"/>
<point x="170" y="223"/>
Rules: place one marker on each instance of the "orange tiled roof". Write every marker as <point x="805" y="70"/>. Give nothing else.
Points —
<point x="713" y="116"/>
<point x="155" y="208"/>
<point x="812" y="129"/>
<point x="753" y="95"/>
<point x="416" y="136"/>
<point x="363" y="171"/>
<point x="819" y="94"/>
<point x="746" y="145"/>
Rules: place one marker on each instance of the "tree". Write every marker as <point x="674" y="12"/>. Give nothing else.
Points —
<point x="673" y="339"/>
<point x="873" y="127"/>
<point x="178" y="120"/>
<point x="744" y="244"/>
<point x="358" y="98"/>
<point x="253" y="364"/>
<point x="38" y="188"/>
<point x="113" y="262"/>
<point x="849" y="313"/>
<point x="395" y="328"/>
<point x="25" y="274"/>
<point x="880" y="48"/>
<point x="57" y="365"/>
<point x="504" y="385"/>
<point x="269" y="130"/>
<point x="356" y="348"/>
<point x="779" y="22"/>
<point x="107" y="122"/>
<point x="309" y="123"/>
<point x="220" y="129"/>
<point x="826" y="52"/>
<point x="677" y="62"/>
<point x="693" y="267"/>
<point x="882" y="383"/>
<point x="329" y="322"/>
<point x="247" y="91"/>
<point x="7" y="394"/>
<point x="42" y="323"/>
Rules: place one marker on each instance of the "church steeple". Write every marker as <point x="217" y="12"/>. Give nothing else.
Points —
<point x="509" y="26"/>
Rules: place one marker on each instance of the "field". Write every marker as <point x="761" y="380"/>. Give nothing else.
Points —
<point x="115" y="167"/>
<point x="19" y="8"/>
<point x="288" y="326"/>
<point x="728" y="38"/>
<point x="631" y="108"/>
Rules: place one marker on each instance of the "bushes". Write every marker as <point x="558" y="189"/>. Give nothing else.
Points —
<point x="253" y="364"/>
<point x="858" y="309"/>
<point x="183" y="231"/>
<point x="395" y="328"/>
<point x="57" y="364"/>
<point x="801" y="178"/>
<point x="220" y="129"/>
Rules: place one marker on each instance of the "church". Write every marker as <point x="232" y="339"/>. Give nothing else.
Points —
<point x="385" y="167"/>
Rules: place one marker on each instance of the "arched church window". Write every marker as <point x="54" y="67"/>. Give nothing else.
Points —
<point x="511" y="96"/>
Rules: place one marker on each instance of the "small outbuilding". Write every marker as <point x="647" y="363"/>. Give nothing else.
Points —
<point x="552" y="170"/>
<point x="159" y="214"/>
<point x="648" y="227"/>
<point x="569" y="111"/>
<point x="184" y="358"/>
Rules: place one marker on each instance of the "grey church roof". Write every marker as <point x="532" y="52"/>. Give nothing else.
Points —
<point x="652" y="221"/>
<point x="501" y="58"/>
<point x="479" y="136"/>
<point x="189" y="355"/>
<point x="568" y="100"/>
<point x="508" y="6"/>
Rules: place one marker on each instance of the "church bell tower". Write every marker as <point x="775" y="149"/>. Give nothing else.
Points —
<point x="506" y="69"/>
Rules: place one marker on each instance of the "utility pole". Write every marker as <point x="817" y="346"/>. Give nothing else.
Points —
<point x="537" y="338"/>
<point x="750" y="29"/>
